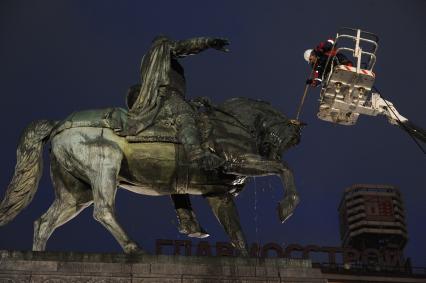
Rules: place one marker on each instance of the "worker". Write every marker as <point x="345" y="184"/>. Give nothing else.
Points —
<point x="318" y="59"/>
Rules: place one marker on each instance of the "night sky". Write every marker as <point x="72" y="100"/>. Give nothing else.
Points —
<point x="57" y="57"/>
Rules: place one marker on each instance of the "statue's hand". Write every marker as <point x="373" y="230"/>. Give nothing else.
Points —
<point x="219" y="44"/>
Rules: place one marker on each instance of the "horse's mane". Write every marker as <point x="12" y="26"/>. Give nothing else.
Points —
<point x="241" y="106"/>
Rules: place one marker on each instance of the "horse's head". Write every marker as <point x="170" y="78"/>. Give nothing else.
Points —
<point x="277" y="134"/>
<point x="274" y="131"/>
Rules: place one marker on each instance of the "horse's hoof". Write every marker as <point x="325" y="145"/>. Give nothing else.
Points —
<point x="134" y="249"/>
<point x="287" y="206"/>
<point x="138" y="251"/>
<point x="286" y="215"/>
<point x="243" y="253"/>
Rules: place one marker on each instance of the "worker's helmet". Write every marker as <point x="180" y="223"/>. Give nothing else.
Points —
<point x="307" y="54"/>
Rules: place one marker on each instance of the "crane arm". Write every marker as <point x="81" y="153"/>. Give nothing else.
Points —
<point x="386" y="108"/>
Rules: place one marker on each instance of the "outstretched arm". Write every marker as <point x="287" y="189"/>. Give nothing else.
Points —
<point x="182" y="48"/>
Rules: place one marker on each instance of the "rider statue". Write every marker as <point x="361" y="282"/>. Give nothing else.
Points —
<point x="163" y="83"/>
<point x="163" y="86"/>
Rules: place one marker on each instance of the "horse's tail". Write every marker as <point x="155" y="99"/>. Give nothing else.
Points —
<point x="28" y="170"/>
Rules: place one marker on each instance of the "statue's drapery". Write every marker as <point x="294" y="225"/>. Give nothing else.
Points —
<point x="156" y="68"/>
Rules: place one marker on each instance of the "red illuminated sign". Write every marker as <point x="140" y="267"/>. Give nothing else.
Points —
<point x="347" y="255"/>
<point x="379" y="208"/>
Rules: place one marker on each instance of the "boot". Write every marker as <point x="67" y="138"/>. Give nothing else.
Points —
<point x="187" y="221"/>
<point x="189" y="225"/>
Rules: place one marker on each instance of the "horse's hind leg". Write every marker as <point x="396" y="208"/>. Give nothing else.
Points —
<point x="72" y="196"/>
<point x="105" y="166"/>
<point x="224" y="209"/>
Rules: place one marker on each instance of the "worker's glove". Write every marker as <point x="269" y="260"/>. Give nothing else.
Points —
<point x="311" y="82"/>
<point x="219" y="44"/>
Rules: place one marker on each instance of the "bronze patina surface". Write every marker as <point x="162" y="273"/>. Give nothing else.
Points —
<point x="94" y="152"/>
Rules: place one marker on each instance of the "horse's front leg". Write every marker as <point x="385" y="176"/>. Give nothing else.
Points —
<point x="224" y="209"/>
<point x="254" y="165"/>
<point x="291" y="197"/>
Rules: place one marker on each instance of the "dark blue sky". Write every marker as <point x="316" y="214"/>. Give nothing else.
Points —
<point x="57" y="57"/>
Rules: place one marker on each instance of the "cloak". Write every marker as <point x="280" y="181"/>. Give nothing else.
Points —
<point x="155" y="68"/>
<point x="155" y="73"/>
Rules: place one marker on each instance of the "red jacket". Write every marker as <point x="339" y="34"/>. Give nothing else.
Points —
<point x="323" y="52"/>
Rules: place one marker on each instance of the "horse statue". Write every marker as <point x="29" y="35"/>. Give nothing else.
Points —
<point x="89" y="161"/>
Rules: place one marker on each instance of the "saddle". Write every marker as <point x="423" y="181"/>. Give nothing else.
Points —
<point x="115" y="119"/>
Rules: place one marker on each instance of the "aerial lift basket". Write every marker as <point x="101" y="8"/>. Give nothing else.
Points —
<point x="346" y="91"/>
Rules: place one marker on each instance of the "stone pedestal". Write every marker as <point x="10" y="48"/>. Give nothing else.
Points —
<point x="55" y="267"/>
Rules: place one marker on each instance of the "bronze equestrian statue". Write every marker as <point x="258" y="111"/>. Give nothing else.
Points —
<point x="146" y="150"/>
